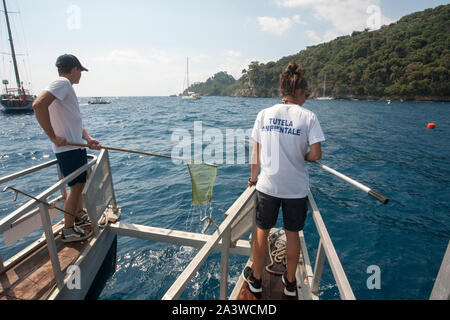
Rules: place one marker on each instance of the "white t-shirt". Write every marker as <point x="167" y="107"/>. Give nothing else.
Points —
<point x="65" y="114"/>
<point x="284" y="132"/>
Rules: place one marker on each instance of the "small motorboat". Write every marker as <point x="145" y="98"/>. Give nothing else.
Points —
<point x="98" y="100"/>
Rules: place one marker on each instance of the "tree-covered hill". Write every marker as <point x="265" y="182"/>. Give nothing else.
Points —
<point x="409" y="59"/>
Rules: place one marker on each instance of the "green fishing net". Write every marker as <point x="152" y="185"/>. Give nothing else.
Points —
<point x="203" y="176"/>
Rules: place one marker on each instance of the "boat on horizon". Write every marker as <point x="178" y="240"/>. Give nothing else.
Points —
<point x="189" y="95"/>
<point x="98" y="100"/>
<point x="15" y="99"/>
<point x="324" y="90"/>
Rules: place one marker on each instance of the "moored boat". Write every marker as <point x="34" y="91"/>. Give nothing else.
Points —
<point x="98" y="100"/>
<point x="15" y="99"/>
<point x="189" y="95"/>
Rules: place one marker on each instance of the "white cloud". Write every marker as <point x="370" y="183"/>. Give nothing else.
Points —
<point x="344" y="15"/>
<point x="313" y="36"/>
<point x="233" y="53"/>
<point x="123" y="57"/>
<point x="278" y="26"/>
<point x="274" y="25"/>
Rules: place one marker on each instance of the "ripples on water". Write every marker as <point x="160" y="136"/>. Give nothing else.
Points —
<point x="384" y="146"/>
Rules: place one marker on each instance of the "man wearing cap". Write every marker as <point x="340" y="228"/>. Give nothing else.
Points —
<point x="58" y="112"/>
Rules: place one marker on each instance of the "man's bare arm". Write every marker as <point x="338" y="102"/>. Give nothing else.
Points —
<point x="40" y="106"/>
<point x="93" y="143"/>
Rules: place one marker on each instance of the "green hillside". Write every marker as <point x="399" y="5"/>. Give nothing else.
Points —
<point x="409" y="60"/>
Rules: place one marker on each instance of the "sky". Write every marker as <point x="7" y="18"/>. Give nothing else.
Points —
<point x="140" y="47"/>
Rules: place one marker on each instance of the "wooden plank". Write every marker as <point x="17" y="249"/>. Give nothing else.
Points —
<point x="89" y="261"/>
<point x="37" y="269"/>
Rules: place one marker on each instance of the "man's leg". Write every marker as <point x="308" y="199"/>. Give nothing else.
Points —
<point x="72" y="204"/>
<point x="292" y="253"/>
<point x="260" y="247"/>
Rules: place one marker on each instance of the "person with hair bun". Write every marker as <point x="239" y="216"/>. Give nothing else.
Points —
<point x="282" y="134"/>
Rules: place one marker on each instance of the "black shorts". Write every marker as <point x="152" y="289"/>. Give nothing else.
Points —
<point x="70" y="161"/>
<point x="294" y="212"/>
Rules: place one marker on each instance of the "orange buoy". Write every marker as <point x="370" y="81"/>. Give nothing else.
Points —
<point x="431" y="126"/>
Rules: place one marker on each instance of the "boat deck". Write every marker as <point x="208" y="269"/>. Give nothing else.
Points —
<point x="32" y="278"/>
<point x="273" y="287"/>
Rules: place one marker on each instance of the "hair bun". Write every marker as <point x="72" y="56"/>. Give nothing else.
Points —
<point x="295" y="69"/>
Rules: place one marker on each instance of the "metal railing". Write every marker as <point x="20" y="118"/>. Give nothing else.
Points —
<point x="23" y="213"/>
<point x="241" y="207"/>
<point x="239" y="220"/>
<point x="326" y="250"/>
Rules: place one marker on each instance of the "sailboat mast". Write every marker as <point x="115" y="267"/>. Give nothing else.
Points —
<point x="13" y="52"/>
<point x="324" y="84"/>
<point x="187" y="73"/>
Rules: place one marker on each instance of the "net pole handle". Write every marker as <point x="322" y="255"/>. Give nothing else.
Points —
<point x="122" y="150"/>
<point x="369" y="191"/>
<point x="140" y="152"/>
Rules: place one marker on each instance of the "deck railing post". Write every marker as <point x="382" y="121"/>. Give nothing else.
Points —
<point x="318" y="268"/>
<point x="2" y="266"/>
<point x="63" y="187"/>
<point x="51" y="244"/>
<point x="224" y="263"/>
<point x="255" y="202"/>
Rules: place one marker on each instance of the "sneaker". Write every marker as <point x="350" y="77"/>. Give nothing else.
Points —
<point x="290" y="287"/>
<point x="75" y="234"/>
<point x="83" y="219"/>
<point x="253" y="283"/>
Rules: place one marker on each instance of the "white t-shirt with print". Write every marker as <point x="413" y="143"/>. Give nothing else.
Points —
<point x="65" y="114"/>
<point x="284" y="132"/>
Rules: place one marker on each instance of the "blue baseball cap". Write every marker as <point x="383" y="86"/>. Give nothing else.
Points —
<point x="69" y="61"/>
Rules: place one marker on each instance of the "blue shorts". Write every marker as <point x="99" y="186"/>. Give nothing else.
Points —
<point x="268" y="207"/>
<point x="70" y="161"/>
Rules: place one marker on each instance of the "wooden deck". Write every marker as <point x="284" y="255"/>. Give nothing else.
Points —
<point x="32" y="278"/>
<point x="273" y="287"/>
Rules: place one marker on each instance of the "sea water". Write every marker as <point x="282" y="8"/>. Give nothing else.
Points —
<point x="384" y="146"/>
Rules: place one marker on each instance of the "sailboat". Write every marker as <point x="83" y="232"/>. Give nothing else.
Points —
<point x="189" y="94"/>
<point x="15" y="99"/>
<point x="324" y="89"/>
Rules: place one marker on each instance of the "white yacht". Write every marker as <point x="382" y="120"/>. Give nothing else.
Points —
<point x="189" y="94"/>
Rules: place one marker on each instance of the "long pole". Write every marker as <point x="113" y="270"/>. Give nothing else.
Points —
<point x="355" y="183"/>
<point x="13" y="52"/>
<point x="140" y="152"/>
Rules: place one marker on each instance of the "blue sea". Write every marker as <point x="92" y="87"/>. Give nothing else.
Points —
<point x="387" y="147"/>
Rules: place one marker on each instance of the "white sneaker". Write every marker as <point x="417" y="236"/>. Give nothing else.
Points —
<point x="75" y="234"/>
<point x="82" y="219"/>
